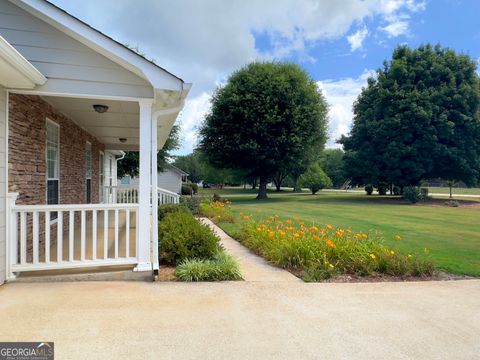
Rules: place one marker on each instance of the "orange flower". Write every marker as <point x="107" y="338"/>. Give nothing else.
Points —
<point x="246" y="217"/>
<point x="330" y="244"/>
<point x="296" y="219"/>
<point x="288" y="222"/>
<point x="316" y="237"/>
<point x="296" y="235"/>
<point x="329" y="227"/>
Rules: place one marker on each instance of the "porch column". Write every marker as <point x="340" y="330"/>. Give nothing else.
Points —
<point x="154" y="194"/>
<point x="144" y="211"/>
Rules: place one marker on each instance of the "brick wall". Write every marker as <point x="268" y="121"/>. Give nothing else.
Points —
<point x="26" y="153"/>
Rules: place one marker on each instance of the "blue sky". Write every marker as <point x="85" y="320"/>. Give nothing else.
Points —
<point x="339" y="42"/>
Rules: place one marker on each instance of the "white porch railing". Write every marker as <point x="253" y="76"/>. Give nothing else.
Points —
<point x="167" y="197"/>
<point x="48" y="237"/>
<point x="128" y="194"/>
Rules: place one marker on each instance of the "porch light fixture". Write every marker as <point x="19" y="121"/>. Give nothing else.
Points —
<point x="122" y="140"/>
<point x="100" y="108"/>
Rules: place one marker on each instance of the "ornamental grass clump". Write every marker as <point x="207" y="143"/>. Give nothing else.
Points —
<point x="321" y="252"/>
<point x="221" y="267"/>
<point x="217" y="211"/>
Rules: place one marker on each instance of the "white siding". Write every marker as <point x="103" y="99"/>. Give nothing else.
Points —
<point x="170" y="180"/>
<point x="70" y="66"/>
<point x="3" y="186"/>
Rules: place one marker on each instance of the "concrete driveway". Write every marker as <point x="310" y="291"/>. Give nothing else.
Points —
<point x="246" y="320"/>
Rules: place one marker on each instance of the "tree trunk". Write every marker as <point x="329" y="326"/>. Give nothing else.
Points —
<point x="450" y="190"/>
<point x="262" y="189"/>
<point x="295" y="184"/>
<point x="254" y="183"/>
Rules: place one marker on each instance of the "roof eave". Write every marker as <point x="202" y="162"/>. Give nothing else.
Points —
<point x="159" y="78"/>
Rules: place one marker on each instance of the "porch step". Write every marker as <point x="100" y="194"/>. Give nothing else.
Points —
<point x="114" y="273"/>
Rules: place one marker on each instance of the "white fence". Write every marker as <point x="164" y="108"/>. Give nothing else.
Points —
<point x="47" y="237"/>
<point x="128" y="194"/>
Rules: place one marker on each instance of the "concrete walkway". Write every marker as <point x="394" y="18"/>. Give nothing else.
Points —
<point x="246" y="320"/>
<point x="254" y="268"/>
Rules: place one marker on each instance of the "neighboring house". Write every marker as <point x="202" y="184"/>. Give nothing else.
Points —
<point x="71" y="98"/>
<point x="172" y="178"/>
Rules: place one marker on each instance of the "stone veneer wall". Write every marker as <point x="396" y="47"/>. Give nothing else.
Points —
<point x="26" y="153"/>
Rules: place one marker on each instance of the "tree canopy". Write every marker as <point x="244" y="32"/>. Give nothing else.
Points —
<point x="267" y="118"/>
<point x="130" y="164"/>
<point x="417" y="119"/>
<point x="331" y="161"/>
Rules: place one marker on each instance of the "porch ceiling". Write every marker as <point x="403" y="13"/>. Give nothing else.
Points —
<point x="120" y="121"/>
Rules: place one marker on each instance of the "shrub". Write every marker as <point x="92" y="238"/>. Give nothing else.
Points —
<point x="412" y="194"/>
<point x="397" y="190"/>
<point x="424" y="193"/>
<point x="181" y="236"/>
<point x="315" y="179"/>
<point x="369" y="189"/>
<point x="194" y="187"/>
<point x="187" y="189"/>
<point x="217" y="211"/>
<point x="452" y="203"/>
<point x="170" y="208"/>
<point x="322" y="252"/>
<point x="192" y="203"/>
<point x="221" y="267"/>
<point x="382" y="190"/>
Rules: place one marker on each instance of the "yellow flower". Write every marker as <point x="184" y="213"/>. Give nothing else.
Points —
<point x="329" y="227"/>
<point x="281" y="232"/>
<point x="259" y="229"/>
<point x="271" y="234"/>
<point x="409" y="255"/>
<point x="392" y="252"/>
<point x="398" y="238"/>
<point x="331" y="266"/>
<point x="373" y="256"/>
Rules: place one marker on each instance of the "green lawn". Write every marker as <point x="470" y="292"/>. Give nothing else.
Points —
<point x="451" y="234"/>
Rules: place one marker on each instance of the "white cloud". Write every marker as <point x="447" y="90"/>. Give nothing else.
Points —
<point x="195" y="109"/>
<point x="396" y="28"/>
<point x="340" y="95"/>
<point x="204" y="41"/>
<point x="356" y="39"/>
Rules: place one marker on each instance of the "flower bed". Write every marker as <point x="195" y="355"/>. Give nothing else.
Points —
<point x="216" y="210"/>
<point x="319" y="252"/>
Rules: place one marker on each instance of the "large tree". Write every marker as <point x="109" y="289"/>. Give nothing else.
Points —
<point x="331" y="161"/>
<point x="266" y="116"/>
<point x="130" y="164"/>
<point x="418" y="118"/>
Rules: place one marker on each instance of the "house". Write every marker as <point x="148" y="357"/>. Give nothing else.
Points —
<point x="171" y="179"/>
<point x="71" y="100"/>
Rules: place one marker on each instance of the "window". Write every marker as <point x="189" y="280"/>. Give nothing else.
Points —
<point x="102" y="177"/>
<point x="88" y="172"/>
<point x="53" y="164"/>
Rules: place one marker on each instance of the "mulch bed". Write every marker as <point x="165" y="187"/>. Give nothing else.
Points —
<point x="346" y="278"/>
